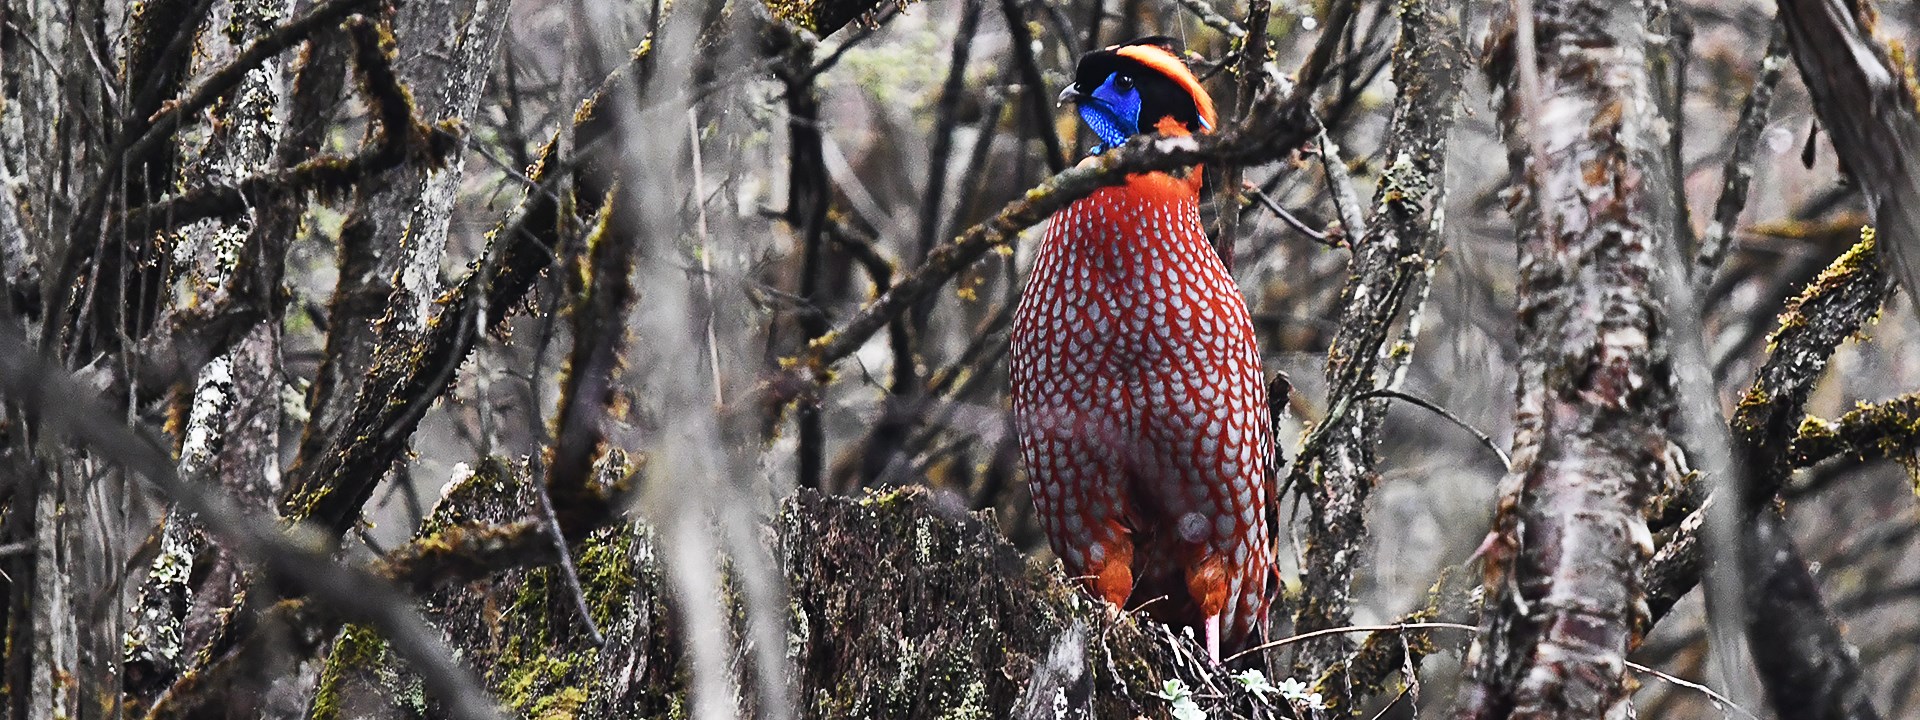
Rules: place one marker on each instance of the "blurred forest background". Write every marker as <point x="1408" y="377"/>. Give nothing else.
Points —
<point x="362" y="262"/>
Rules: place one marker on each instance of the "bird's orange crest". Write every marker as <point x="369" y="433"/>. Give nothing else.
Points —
<point x="1163" y="61"/>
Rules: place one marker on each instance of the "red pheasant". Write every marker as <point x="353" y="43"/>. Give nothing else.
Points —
<point x="1137" y="390"/>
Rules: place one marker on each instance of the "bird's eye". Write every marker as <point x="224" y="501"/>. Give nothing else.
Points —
<point x="1123" y="82"/>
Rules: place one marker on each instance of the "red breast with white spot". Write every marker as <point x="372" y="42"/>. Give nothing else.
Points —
<point x="1140" y="409"/>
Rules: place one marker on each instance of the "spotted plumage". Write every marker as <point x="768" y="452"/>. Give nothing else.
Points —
<point x="1137" y="388"/>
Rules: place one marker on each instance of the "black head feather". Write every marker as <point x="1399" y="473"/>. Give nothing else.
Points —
<point x="1160" y="94"/>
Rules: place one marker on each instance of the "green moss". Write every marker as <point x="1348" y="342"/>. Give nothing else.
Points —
<point x="523" y="629"/>
<point x="1814" y="429"/>
<point x="539" y="685"/>
<point x="360" y="666"/>
<point x="607" y="573"/>
<point x="563" y="705"/>
<point x="304" y="503"/>
<point x="544" y="671"/>
<point x="356" y="650"/>
<point x="1750" y="414"/>
<point x="1860" y="258"/>
<point x="493" y="483"/>
<point x="888" y="501"/>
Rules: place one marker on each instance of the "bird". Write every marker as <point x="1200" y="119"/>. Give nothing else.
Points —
<point x="1135" y="378"/>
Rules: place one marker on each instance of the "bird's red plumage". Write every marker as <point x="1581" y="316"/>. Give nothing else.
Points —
<point x="1140" y="409"/>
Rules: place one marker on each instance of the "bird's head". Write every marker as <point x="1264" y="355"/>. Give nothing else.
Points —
<point x="1135" y="87"/>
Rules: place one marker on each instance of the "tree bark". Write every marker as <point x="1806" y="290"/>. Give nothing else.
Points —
<point x="397" y="232"/>
<point x="1565" y="599"/>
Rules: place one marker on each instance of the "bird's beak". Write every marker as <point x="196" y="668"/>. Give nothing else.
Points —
<point x="1067" y="95"/>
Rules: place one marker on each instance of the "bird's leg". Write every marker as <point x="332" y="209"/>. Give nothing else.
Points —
<point x="1110" y="563"/>
<point x="1207" y="583"/>
<point x="1212" y="632"/>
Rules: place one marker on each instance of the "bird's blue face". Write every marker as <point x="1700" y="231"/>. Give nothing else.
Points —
<point x="1112" y="111"/>
<point x="1136" y="88"/>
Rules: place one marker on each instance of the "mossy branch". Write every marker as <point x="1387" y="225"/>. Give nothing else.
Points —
<point x="1888" y="429"/>
<point x="462" y="553"/>
<point x="1382" y="653"/>
<point x="1387" y="280"/>
<point x="149" y="132"/>
<point x="1831" y="309"/>
<point x="402" y="138"/>
<point x="589" y="386"/>
<point x="330" y="481"/>
<point x="824" y="17"/>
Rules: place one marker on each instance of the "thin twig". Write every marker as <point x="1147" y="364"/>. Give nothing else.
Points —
<point x="1250" y="81"/>
<point x="1396" y="627"/>
<point x="1505" y="461"/>
<point x="1346" y="203"/>
<point x="706" y="256"/>
<point x="1314" y="68"/>
<point x="1402" y="627"/>
<point x="1209" y="17"/>
<point x="567" y="570"/>
<point x="1266" y="201"/>
<point x="1034" y="86"/>
<point x="1718" y="699"/>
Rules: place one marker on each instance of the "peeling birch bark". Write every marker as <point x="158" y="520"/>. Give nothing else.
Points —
<point x="1562" y="570"/>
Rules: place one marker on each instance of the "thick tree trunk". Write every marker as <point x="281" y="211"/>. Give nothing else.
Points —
<point x="1565" y="599"/>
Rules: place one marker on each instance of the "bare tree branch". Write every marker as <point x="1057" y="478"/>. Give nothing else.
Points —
<point x="1737" y="173"/>
<point x="1887" y="429"/>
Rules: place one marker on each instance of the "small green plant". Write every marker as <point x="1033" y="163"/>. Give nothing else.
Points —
<point x="1301" y="695"/>
<point x="1184" y="708"/>
<point x="1255" y="682"/>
